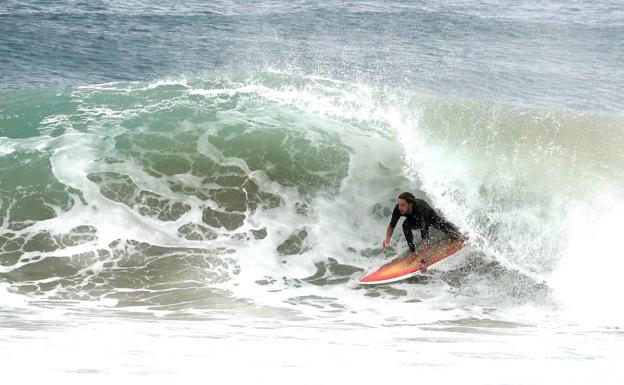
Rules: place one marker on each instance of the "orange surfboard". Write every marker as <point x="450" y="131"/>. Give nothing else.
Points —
<point x="410" y="265"/>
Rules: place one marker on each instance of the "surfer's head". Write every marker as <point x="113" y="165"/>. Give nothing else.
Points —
<point x="406" y="202"/>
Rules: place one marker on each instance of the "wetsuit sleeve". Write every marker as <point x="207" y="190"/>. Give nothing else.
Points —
<point x="409" y="237"/>
<point x="396" y="214"/>
<point x="424" y="226"/>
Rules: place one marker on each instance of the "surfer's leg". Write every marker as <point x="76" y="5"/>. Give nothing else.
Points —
<point x="409" y="237"/>
<point x="445" y="226"/>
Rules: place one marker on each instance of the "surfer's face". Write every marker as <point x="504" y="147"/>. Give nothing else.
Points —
<point x="404" y="207"/>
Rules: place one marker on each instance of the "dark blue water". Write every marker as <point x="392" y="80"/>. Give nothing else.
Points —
<point x="555" y="54"/>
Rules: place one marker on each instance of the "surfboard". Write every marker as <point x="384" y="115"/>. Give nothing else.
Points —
<point x="410" y="266"/>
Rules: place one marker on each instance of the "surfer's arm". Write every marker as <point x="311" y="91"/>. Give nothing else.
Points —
<point x="424" y="231"/>
<point x="396" y="214"/>
<point x="389" y="233"/>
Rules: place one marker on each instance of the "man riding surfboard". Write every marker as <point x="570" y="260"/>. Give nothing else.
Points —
<point x="418" y="215"/>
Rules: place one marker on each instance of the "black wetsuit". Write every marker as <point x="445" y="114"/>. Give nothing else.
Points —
<point x="422" y="216"/>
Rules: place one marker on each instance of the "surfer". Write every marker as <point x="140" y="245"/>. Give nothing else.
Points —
<point x="418" y="215"/>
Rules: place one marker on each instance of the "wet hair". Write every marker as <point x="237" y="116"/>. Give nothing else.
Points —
<point x="408" y="197"/>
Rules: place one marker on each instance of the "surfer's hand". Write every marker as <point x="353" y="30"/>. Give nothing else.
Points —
<point x="386" y="243"/>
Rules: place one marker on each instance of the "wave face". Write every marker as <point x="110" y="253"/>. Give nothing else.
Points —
<point x="197" y="195"/>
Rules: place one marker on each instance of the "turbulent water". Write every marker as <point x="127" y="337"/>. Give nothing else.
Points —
<point x="193" y="189"/>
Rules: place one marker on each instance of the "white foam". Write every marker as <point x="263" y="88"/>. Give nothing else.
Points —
<point x="304" y="352"/>
<point x="10" y="299"/>
<point x="588" y="279"/>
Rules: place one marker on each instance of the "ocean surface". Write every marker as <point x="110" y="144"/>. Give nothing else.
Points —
<point x="193" y="190"/>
